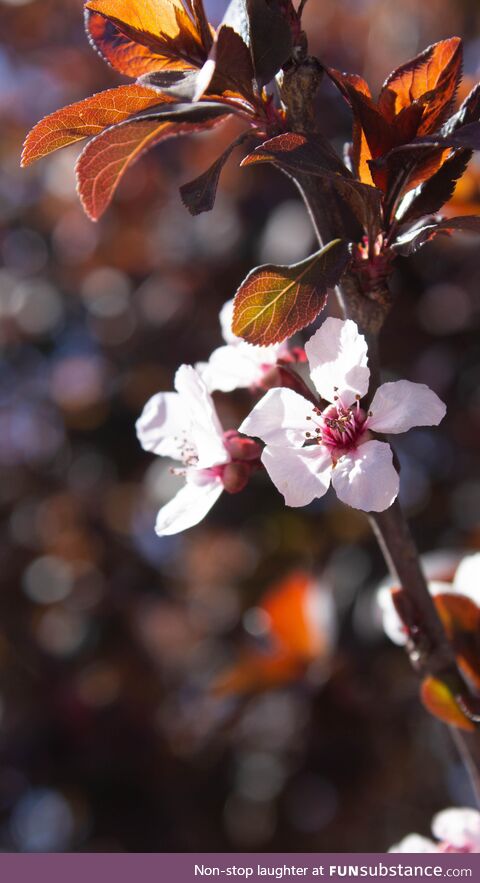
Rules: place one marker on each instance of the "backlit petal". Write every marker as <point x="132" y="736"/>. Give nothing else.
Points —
<point x="162" y="425"/>
<point x="398" y="406"/>
<point x="205" y="431"/>
<point x="467" y="577"/>
<point x="188" y="507"/>
<point x="300" y="474"/>
<point x="366" y="478"/>
<point x="337" y="354"/>
<point x="279" y="418"/>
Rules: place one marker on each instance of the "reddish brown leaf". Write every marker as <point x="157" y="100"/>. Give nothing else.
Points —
<point x="311" y="155"/>
<point x="139" y="37"/>
<point x="199" y="195"/>
<point x="274" y="302"/>
<point x="412" y="240"/>
<point x="124" y="54"/>
<point x="308" y="154"/>
<point x="461" y="620"/>
<point x="458" y="613"/>
<point x="431" y="78"/>
<point x="87" y="117"/>
<point x="438" y="189"/>
<point x="373" y="136"/>
<point x="233" y="64"/>
<point x="264" y="28"/>
<point x="439" y="700"/>
<point x="105" y="160"/>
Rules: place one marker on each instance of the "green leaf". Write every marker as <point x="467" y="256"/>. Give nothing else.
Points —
<point x="276" y="301"/>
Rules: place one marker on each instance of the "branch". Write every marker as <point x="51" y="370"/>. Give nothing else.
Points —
<point x="429" y="649"/>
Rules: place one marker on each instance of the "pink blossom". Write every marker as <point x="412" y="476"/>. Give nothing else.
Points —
<point x="184" y="425"/>
<point x="456" y="830"/>
<point x="239" y="364"/>
<point x="307" y="447"/>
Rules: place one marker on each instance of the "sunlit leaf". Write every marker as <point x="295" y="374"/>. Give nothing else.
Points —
<point x="264" y="28"/>
<point x="199" y="195"/>
<point x="440" y="701"/>
<point x="432" y="78"/>
<point x="137" y="37"/>
<point x="311" y="155"/>
<point x="274" y="302"/>
<point x="87" y="117"/>
<point x="105" y="160"/>
<point x="438" y="189"/>
<point x="411" y="240"/>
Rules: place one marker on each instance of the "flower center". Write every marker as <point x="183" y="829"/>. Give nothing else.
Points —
<point x="338" y="428"/>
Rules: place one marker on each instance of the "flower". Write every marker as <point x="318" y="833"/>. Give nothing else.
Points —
<point x="466" y="582"/>
<point x="184" y="425"/>
<point x="456" y="829"/>
<point x="239" y="364"/>
<point x="307" y="447"/>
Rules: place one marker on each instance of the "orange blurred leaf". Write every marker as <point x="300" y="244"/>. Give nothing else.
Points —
<point x="87" y="117"/>
<point x="439" y="700"/>
<point x="274" y="302"/>
<point x="298" y="632"/>
<point x="461" y="620"/>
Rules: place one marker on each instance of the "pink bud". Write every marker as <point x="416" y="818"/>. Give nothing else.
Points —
<point x="240" y="447"/>
<point x="235" y="477"/>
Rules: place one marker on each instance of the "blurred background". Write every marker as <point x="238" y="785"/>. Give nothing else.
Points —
<point x="143" y="706"/>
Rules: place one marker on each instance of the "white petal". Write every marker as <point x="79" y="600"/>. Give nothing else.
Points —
<point x="366" y="478"/>
<point x="398" y="406"/>
<point x="226" y="319"/>
<point x="279" y="418"/>
<point x="467" y="577"/>
<point x="300" y="474"/>
<point x="415" y="843"/>
<point x="162" y="425"/>
<point x="458" y="827"/>
<point x="392" y="624"/>
<point x="337" y="354"/>
<point x="231" y="367"/>
<point x="188" y="507"/>
<point x="205" y="431"/>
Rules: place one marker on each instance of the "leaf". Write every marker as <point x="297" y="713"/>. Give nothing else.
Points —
<point x="137" y="37"/>
<point x="105" y="160"/>
<point x="412" y="240"/>
<point x="469" y="112"/>
<point x="432" y="77"/>
<point x="264" y="28"/>
<point x="309" y="154"/>
<point x="439" y="700"/>
<point x="312" y="155"/>
<point x="125" y="54"/>
<point x="202" y="25"/>
<point x="461" y="620"/>
<point x="274" y="302"/>
<point x="438" y="189"/>
<point x="87" y="117"/>
<point x="199" y="195"/>
<point x="233" y="64"/>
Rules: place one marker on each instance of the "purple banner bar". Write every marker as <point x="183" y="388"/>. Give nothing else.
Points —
<point x="254" y="867"/>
